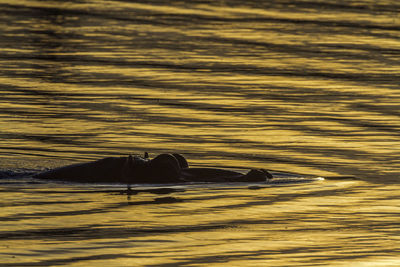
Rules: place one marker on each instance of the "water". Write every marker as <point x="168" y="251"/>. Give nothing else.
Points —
<point x="303" y="87"/>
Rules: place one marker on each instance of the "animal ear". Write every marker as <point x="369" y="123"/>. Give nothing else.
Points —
<point x="165" y="168"/>
<point x="267" y="173"/>
<point x="182" y="161"/>
<point x="146" y="155"/>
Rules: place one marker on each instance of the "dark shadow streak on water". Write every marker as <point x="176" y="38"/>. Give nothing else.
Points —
<point x="268" y="200"/>
<point x="100" y="232"/>
<point x="174" y="19"/>
<point x="71" y="260"/>
<point x="38" y="203"/>
<point x="255" y="255"/>
<point x="103" y="210"/>
<point x="217" y="68"/>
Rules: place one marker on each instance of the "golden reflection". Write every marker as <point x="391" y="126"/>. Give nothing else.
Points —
<point x="301" y="88"/>
<point x="321" y="222"/>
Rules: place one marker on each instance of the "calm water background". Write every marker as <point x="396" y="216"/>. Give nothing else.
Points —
<point x="302" y="86"/>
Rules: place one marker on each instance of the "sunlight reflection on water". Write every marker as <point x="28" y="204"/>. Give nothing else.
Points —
<point x="282" y="225"/>
<point x="295" y="86"/>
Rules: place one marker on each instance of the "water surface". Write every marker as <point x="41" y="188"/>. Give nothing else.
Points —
<point x="305" y="87"/>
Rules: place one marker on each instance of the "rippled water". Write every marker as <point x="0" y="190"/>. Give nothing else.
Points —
<point x="309" y="87"/>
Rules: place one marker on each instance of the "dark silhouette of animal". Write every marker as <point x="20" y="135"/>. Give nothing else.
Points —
<point x="165" y="168"/>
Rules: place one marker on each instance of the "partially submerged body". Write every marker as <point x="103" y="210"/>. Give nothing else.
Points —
<point x="165" y="168"/>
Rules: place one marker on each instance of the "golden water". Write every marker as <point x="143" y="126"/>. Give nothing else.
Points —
<point x="308" y="87"/>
